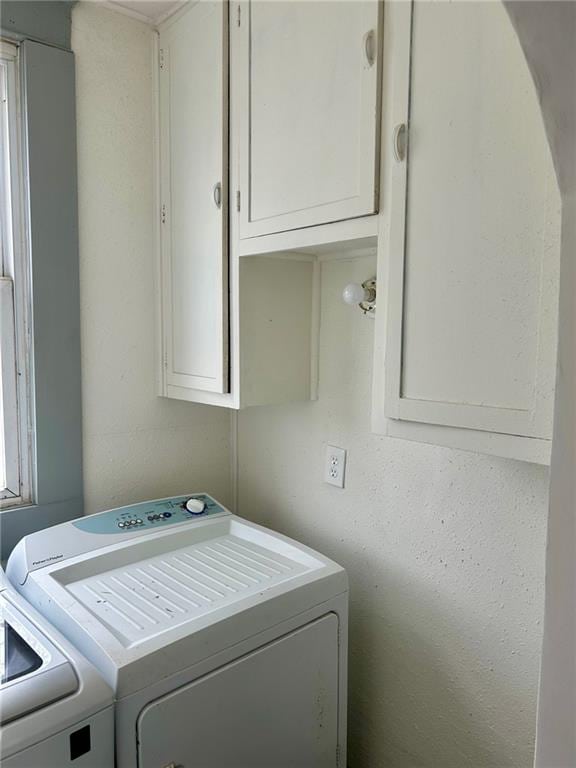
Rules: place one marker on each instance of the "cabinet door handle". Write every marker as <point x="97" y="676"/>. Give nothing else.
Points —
<point x="369" y="42"/>
<point x="217" y="194"/>
<point x="399" y="142"/>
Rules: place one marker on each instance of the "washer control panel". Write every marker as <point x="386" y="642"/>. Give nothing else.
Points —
<point x="151" y="514"/>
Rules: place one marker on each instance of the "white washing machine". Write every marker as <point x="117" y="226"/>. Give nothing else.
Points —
<point x="226" y="643"/>
<point x="55" y="709"/>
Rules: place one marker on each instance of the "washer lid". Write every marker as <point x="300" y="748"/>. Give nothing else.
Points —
<point x="18" y="656"/>
<point x="33" y="672"/>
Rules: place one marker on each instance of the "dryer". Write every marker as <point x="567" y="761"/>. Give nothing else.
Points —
<point x="55" y="709"/>
<point x="225" y="643"/>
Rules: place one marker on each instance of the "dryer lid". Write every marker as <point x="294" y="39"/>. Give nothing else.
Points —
<point x="144" y="601"/>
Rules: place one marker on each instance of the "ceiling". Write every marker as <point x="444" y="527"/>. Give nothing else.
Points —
<point x="151" y="11"/>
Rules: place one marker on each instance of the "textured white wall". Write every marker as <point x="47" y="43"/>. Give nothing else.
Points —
<point x="136" y="445"/>
<point x="445" y="552"/>
<point x="547" y="31"/>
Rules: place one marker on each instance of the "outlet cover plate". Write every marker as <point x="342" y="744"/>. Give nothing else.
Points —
<point x="335" y="466"/>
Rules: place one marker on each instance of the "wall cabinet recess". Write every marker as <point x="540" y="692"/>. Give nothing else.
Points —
<point x="471" y="255"/>
<point x="193" y="128"/>
<point x="308" y="113"/>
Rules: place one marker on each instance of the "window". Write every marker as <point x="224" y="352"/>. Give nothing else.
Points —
<point x="15" y="447"/>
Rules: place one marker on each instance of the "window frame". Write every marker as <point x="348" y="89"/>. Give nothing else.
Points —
<point x="15" y="295"/>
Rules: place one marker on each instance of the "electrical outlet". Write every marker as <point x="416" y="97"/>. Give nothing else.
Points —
<point x="335" y="466"/>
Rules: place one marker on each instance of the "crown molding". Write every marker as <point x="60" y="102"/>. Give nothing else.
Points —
<point x="151" y="21"/>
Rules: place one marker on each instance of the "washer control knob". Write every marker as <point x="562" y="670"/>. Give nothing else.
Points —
<point x="195" y="506"/>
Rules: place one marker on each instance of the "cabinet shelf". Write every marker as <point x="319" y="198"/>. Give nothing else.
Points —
<point x="340" y="235"/>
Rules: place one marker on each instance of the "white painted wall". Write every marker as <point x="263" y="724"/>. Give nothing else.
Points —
<point x="445" y="552"/>
<point x="556" y="734"/>
<point x="136" y="445"/>
<point x="546" y="31"/>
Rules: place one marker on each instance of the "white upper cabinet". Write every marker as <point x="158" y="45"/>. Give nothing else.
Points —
<point x="308" y="113"/>
<point x="193" y="119"/>
<point x="234" y="331"/>
<point x="472" y="254"/>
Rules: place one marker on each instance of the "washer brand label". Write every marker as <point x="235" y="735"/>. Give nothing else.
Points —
<point x="47" y="560"/>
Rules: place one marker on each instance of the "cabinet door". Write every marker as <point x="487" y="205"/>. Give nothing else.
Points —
<point x="193" y="181"/>
<point x="308" y="109"/>
<point x="274" y="708"/>
<point x="475" y="229"/>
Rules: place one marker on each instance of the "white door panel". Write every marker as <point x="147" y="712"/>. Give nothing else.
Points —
<point x="309" y="110"/>
<point x="274" y="708"/>
<point x="475" y="232"/>
<point x="193" y="141"/>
